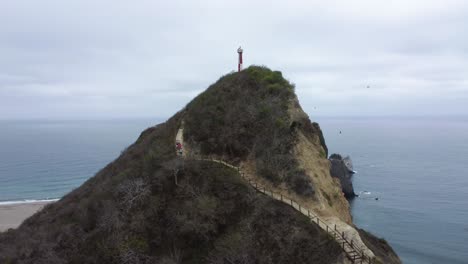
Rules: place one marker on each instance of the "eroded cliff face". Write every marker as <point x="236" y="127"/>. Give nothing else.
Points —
<point x="311" y="152"/>
<point x="331" y="180"/>
<point x="329" y="199"/>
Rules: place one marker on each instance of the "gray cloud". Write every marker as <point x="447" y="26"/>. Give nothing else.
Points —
<point x="106" y="59"/>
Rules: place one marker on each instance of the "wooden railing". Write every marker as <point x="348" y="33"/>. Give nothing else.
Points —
<point x="353" y="252"/>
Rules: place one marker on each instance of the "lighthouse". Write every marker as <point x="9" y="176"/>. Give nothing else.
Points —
<point x="239" y="66"/>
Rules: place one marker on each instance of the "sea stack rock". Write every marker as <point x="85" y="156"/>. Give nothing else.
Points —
<point x="341" y="168"/>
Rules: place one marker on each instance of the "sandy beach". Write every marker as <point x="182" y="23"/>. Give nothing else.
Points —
<point x="12" y="215"/>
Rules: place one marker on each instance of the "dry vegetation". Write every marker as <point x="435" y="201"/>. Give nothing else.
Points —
<point x="246" y="115"/>
<point x="380" y="247"/>
<point x="212" y="216"/>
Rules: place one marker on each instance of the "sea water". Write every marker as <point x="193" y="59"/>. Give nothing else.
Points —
<point x="416" y="167"/>
<point x="42" y="160"/>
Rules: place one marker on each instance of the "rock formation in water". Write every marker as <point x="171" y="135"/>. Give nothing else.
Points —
<point x="139" y="209"/>
<point x="341" y="168"/>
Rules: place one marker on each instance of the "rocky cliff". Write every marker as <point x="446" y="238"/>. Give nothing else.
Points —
<point x="339" y="169"/>
<point x="139" y="209"/>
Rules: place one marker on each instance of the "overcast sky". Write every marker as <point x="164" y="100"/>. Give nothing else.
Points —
<point x="93" y="59"/>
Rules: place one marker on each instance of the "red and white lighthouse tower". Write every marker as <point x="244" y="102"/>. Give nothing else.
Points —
<point x="239" y="66"/>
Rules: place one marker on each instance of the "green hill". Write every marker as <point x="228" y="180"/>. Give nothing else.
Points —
<point x="247" y="114"/>
<point x="134" y="210"/>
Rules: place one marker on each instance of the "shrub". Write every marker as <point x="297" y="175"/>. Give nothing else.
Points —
<point x="300" y="183"/>
<point x="138" y="244"/>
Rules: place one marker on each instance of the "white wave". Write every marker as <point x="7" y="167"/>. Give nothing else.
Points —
<point x="28" y="201"/>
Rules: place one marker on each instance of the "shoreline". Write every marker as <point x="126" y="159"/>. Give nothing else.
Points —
<point x="13" y="214"/>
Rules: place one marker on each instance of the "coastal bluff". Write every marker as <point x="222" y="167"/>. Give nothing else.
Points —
<point x="159" y="204"/>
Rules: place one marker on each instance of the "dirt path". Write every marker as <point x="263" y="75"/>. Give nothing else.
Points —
<point x="346" y="236"/>
<point x="180" y="140"/>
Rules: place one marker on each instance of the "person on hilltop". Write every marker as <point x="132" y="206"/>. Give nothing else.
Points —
<point x="179" y="148"/>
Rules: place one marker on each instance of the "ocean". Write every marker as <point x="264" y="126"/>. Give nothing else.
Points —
<point x="416" y="167"/>
<point x="43" y="160"/>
